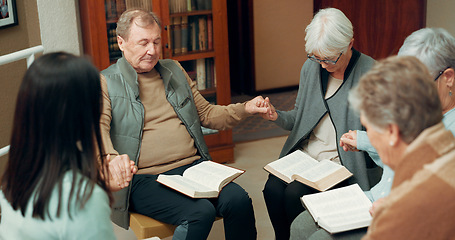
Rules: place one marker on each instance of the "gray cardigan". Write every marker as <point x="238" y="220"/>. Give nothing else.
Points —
<point x="310" y="107"/>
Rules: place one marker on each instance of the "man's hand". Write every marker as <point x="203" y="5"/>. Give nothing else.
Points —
<point x="271" y="114"/>
<point x="257" y="105"/>
<point x="121" y="170"/>
<point x="349" y="141"/>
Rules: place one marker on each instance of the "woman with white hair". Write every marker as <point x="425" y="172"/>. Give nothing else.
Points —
<point x="321" y="113"/>
<point x="399" y="106"/>
<point x="435" y="47"/>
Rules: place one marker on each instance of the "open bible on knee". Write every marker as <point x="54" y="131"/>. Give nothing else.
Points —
<point x="203" y="180"/>
<point x="302" y="167"/>
<point x="339" y="210"/>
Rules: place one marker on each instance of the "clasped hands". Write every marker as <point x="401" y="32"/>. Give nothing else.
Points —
<point x="263" y="107"/>
<point x="348" y="142"/>
<point x="121" y="170"/>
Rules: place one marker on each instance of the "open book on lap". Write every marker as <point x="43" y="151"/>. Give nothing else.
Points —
<point x="203" y="180"/>
<point x="340" y="209"/>
<point x="302" y="167"/>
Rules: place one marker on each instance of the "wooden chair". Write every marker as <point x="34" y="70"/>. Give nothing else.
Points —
<point x="146" y="227"/>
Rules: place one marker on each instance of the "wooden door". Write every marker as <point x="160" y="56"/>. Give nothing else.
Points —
<point x="380" y="27"/>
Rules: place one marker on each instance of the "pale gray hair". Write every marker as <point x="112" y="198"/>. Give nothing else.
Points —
<point x="435" y="47"/>
<point x="398" y="90"/>
<point x="140" y="17"/>
<point x="329" y="33"/>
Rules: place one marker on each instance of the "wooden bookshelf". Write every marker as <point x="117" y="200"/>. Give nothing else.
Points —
<point x="98" y="18"/>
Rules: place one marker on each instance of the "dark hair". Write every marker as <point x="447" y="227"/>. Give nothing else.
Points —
<point x="56" y="129"/>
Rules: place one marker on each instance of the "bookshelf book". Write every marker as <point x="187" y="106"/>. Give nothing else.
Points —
<point x="194" y="32"/>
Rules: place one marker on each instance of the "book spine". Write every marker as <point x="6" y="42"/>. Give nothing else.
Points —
<point x="193" y="5"/>
<point x="121" y="7"/>
<point x="177" y="38"/>
<point x="200" y="4"/>
<point x="188" y="4"/>
<point x="190" y="34"/>
<point x="202" y="33"/>
<point x="110" y="9"/>
<point x="200" y="72"/>
<point x="183" y="6"/>
<point x="209" y="32"/>
<point x="195" y="34"/>
<point x="210" y="73"/>
<point x="184" y="34"/>
<point x="208" y="4"/>
<point x="172" y="6"/>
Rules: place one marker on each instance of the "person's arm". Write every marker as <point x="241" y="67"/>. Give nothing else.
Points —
<point x="105" y="120"/>
<point x="286" y="119"/>
<point x="121" y="168"/>
<point x="364" y="144"/>
<point x="222" y="117"/>
<point x="358" y="141"/>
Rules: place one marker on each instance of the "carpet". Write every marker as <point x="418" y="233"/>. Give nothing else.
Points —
<point x="255" y="127"/>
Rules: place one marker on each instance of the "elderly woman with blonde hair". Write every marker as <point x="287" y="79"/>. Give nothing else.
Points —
<point x="399" y="106"/>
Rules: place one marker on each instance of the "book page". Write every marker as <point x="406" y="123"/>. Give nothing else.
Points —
<point x="347" y="220"/>
<point x="335" y="201"/>
<point x="182" y="184"/>
<point x="321" y="170"/>
<point x="211" y="174"/>
<point x="294" y="163"/>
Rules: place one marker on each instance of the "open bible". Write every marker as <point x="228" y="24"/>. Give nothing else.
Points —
<point x="203" y="180"/>
<point x="340" y="209"/>
<point x="307" y="170"/>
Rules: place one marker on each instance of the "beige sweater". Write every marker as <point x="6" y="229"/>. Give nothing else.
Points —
<point x="421" y="204"/>
<point x="166" y="144"/>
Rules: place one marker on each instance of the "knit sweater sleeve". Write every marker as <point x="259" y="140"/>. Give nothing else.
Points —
<point x="105" y="120"/>
<point x="216" y="116"/>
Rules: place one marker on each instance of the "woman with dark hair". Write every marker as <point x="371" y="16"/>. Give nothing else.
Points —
<point x="53" y="186"/>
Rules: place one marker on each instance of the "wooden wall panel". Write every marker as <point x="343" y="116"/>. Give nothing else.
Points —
<point x="380" y="27"/>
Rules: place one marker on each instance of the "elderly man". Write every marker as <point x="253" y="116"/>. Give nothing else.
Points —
<point x="153" y="115"/>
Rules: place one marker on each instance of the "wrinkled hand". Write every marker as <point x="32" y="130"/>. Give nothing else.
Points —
<point x="349" y="141"/>
<point x="121" y="170"/>
<point x="271" y="114"/>
<point x="257" y="105"/>
<point x="376" y="205"/>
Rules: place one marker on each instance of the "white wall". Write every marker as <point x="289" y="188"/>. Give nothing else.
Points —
<point x="440" y="14"/>
<point x="60" y="28"/>
<point x="279" y="41"/>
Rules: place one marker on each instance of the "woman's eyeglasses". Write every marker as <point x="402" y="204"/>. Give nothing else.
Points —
<point x="440" y="73"/>
<point x="326" y="61"/>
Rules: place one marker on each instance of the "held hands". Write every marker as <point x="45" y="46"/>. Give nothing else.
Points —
<point x="121" y="170"/>
<point x="257" y="105"/>
<point x="263" y="107"/>
<point x="349" y="141"/>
